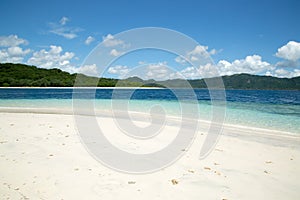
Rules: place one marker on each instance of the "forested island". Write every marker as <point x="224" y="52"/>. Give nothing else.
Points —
<point x="21" y="75"/>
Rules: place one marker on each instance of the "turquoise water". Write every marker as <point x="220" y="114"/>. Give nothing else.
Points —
<point x="281" y="117"/>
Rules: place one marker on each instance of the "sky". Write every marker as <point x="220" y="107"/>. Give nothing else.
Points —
<point x="257" y="37"/>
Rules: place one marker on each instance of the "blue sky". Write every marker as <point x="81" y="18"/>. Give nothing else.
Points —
<point x="258" y="37"/>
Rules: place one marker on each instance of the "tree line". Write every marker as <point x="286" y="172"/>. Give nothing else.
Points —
<point x="21" y="75"/>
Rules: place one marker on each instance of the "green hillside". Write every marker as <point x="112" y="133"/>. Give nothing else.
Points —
<point x="20" y="75"/>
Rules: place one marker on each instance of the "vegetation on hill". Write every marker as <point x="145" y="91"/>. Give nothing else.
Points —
<point x="20" y="75"/>
<point x="23" y="75"/>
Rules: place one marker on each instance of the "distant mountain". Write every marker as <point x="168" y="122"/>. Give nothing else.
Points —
<point x="20" y="75"/>
<point x="247" y="81"/>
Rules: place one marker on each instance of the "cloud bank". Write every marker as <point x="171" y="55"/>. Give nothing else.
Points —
<point x="288" y="65"/>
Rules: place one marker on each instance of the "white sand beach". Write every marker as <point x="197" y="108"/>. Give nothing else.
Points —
<point x="41" y="157"/>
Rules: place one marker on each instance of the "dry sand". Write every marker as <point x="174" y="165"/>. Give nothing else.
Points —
<point x="41" y="157"/>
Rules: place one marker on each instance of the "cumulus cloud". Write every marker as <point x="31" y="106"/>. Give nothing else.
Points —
<point x="90" y="70"/>
<point x="12" y="53"/>
<point x="296" y="73"/>
<point x="268" y="73"/>
<point x="111" y="41"/>
<point x="251" y="64"/>
<point x="187" y="73"/>
<point x="52" y="58"/>
<point x="180" y="60"/>
<point x="202" y="50"/>
<point x="161" y="71"/>
<point x="158" y="71"/>
<point x="287" y="63"/>
<point x="208" y="70"/>
<point x="62" y="30"/>
<point x="115" y="52"/>
<point x="89" y="40"/>
<point x="290" y="51"/>
<point x="12" y="40"/>
<point x="196" y="54"/>
<point x="203" y="71"/>
<point x="119" y="70"/>
<point x="17" y="51"/>
<point x="284" y="73"/>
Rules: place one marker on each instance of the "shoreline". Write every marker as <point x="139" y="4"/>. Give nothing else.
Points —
<point x="148" y="88"/>
<point x="139" y="116"/>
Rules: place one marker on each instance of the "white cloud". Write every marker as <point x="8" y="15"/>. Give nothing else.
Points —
<point x="115" y="52"/>
<point x="251" y="64"/>
<point x="158" y="71"/>
<point x="208" y="70"/>
<point x="161" y="71"/>
<point x="291" y="55"/>
<point x="111" y="41"/>
<point x="141" y="62"/>
<point x="63" y="20"/>
<point x="89" y="40"/>
<point x="199" y="50"/>
<point x="268" y="73"/>
<point x="254" y="65"/>
<point x="187" y="73"/>
<point x="290" y="51"/>
<point x="176" y="75"/>
<point x="52" y="58"/>
<point x="90" y="70"/>
<point x="180" y="60"/>
<point x="296" y="73"/>
<point x="67" y="33"/>
<point x="213" y="52"/>
<point x="119" y="70"/>
<point x="283" y="73"/>
<point x="196" y="54"/>
<point x="287" y="63"/>
<point x="11" y="41"/>
<point x="13" y="54"/>
<point x="17" y="51"/>
<point x="203" y="71"/>
<point x="62" y="30"/>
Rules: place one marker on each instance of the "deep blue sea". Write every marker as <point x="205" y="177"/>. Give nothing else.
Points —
<point x="275" y="110"/>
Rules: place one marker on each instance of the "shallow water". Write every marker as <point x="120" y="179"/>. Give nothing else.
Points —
<point x="275" y="110"/>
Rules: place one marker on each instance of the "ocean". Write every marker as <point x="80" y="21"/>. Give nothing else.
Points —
<point x="267" y="109"/>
